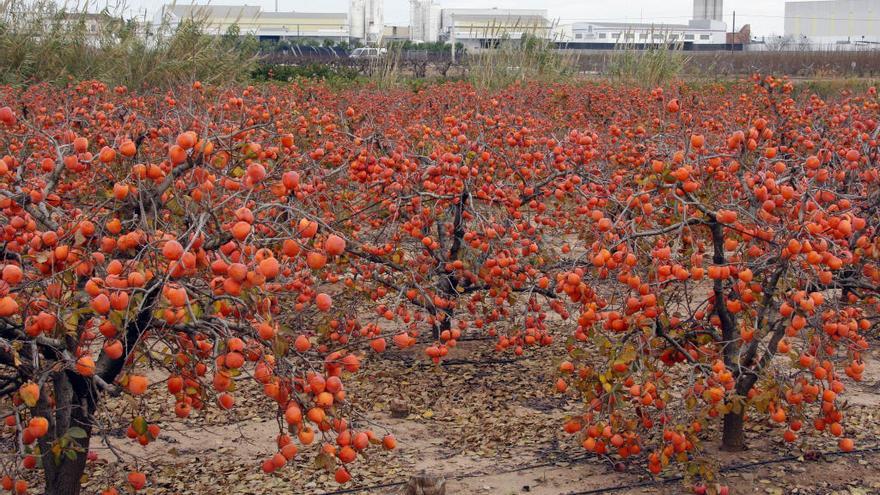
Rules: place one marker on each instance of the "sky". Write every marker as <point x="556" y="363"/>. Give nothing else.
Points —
<point x="764" y="16"/>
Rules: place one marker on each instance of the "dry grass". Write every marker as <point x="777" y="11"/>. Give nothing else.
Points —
<point x="647" y="67"/>
<point x="41" y="42"/>
<point x="532" y="57"/>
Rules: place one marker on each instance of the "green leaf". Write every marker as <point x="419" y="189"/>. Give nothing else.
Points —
<point x="76" y="432"/>
<point x="116" y="319"/>
<point x="139" y="425"/>
<point x="70" y="455"/>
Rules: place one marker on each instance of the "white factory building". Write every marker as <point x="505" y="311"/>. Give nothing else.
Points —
<point x="362" y="23"/>
<point x="474" y="28"/>
<point x="833" y="24"/>
<point x="265" y="25"/>
<point x="482" y="28"/>
<point x="648" y="33"/>
<point x="707" y="27"/>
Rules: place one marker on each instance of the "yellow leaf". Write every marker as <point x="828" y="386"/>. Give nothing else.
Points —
<point x="30" y="393"/>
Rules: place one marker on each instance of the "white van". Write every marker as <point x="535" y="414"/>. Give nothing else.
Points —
<point x="367" y="53"/>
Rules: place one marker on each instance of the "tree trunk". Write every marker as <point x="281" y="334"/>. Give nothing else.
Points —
<point x="75" y="400"/>
<point x="441" y="326"/>
<point x="733" y="437"/>
<point x="447" y="282"/>
<point x="71" y="407"/>
<point x="64" y="479"/>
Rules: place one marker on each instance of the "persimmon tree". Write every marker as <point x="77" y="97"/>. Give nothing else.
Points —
<point x="169" y="232"/>
<point x="735" y="267"/>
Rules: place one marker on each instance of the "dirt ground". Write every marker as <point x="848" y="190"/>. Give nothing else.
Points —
<point x="487" y="429"/>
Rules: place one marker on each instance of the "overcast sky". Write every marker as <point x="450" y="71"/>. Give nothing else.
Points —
<point x="765" y="16"/>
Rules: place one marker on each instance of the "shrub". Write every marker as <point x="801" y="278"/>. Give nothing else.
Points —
<point x="531" y="58"/>
<point x="649" y="67"/>
<point x="41" y="42"/>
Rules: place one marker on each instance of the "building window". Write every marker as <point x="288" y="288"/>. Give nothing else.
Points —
<point x="673" y="37"/>
<point x="643" y="36"/>
<point x="578" y="36"/>
<point x="704" y="36"/>
<point x="630" y="36"/>
<point x="615" y="35"/>
<point x="601" y="36"/>
<point x="689" y="37"/>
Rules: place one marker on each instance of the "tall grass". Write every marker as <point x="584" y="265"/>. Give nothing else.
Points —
<point x="40" y="41"/>
<point x="387" y="70"/>
<point x="533" y="56"/>
<point x="651" y="66"/>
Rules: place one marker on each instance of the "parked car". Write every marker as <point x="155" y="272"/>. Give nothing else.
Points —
<point x="367" y="53"/>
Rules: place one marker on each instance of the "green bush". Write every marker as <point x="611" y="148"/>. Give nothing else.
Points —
<point x="317" y="70"/>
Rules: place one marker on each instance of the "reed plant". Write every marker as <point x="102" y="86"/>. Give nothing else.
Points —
<point x="41" y="41"/>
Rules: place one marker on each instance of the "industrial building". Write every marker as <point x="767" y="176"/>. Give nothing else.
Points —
<point x="396" y="33"/>
<point x="362" y="23"/>
<point x="264" y="25"/>
<point x="833" y="24"/>
<point x="707" y="27"/>
<point x="474" y="28"/>
<point x="643" y="33"/>
<point x="482" y="28"/>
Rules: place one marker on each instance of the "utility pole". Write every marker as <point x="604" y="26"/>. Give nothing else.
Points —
<point x="452" y="35"/>
<point x="733" y="32"/>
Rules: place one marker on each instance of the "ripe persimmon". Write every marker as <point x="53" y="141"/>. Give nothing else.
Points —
<point x="323" y="302"/>
<point x="128" y="148"/>
<point x="137" y="480"/>
<point x="137" y="384"/>
<point x="334" y="245"/>
<point x="302" y="344"/>
<point x="85" y="366"/>
<point x="8" y="306"/>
